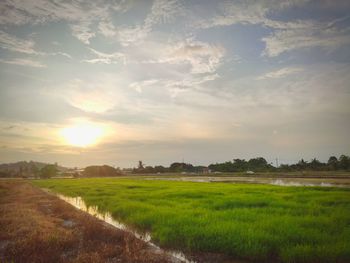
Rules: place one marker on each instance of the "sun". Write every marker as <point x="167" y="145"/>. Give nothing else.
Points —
<point x="82" y="135"/>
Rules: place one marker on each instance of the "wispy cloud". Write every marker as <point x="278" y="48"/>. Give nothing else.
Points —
<point x="203" y="57"/>
<point x="139" y="86"/>
<point x="25" y="46"/>
<point x="173" y="86"/>
<point x="105" y="58"/>
<point x="24" y="62"/>
<point x="286" y="35"/>
<point x="280" y="73"/>
<point x="16" y="44"/>
<point x="250" y="12"/>
<point x="91" y="99"/>
<point x="162" y="11"/>
<point x="200" y="56"/>
<point x="64" y="54"/>
<point x="83" y="32"/>
<point x="107" y="28"/>
<point x="81" y="14"/>
<point x="318" y="36"/>
<point x="41" y="11"/>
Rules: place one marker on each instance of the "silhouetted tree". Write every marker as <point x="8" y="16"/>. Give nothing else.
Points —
<point x="315" y="164"/>
<point x="160" y="169"/>
<point x="48" y="171"/>
<point x="344" y="162"/>
<point x="181" y="167"/>
<point x="332" y="163"/>
<point x="140" y="165"/>
<point x="100" y="171"/>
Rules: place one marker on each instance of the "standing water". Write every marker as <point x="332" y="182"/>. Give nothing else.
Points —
<point x="78" y="202"/>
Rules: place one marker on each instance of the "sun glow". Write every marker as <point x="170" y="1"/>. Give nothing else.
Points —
<point x="82" y="135"/>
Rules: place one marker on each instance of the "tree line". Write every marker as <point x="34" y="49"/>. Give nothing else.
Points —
<point x="258" y="164"/>
<point x="333" y="164"/>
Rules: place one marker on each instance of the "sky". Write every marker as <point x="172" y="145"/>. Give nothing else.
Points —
<point x="114" y="82"/>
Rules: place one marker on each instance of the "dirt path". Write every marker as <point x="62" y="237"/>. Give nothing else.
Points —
<point x="37" y="227"/>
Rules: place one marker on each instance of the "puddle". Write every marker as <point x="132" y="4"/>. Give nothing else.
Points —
<point x="78" y="202"/>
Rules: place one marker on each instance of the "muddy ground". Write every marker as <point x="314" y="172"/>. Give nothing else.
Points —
<point x="38" y="227"/>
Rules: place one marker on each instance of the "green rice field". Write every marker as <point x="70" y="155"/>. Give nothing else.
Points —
<point x="253" y="222"/>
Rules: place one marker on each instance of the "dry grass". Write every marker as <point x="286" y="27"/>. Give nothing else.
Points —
<point x="37" y="227"/>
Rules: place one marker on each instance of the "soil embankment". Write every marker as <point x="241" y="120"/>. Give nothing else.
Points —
<point x="38" y="227"/>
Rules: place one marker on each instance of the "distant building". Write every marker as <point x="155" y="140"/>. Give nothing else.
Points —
<point x="127" y="170"/>
<point x="206" y="170"/>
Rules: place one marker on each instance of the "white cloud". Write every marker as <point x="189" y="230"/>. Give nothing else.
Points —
<point x="12" y="16"/>
<point x="83" y="32"/>
<point x="313" y="90"/>
<point x="139" y="86"/>
<point x="24" y="62"/>
<point x="133" y="35"/>
<point x="107" y="28"/>
<point x="280" y="73"/>
<point x="200" y="56"/>
<point x="105" y="58"/>
<point x="40" y="11"/>
<point x="64" y="54"/>
<point x="168" y="70"/>
<point x="189" y="82"/>
<point x="250" y="12"/>
<point x="98" y="94"/>
<point x="16" y="44"/>
<point x="203" y="57"/>
<point x="173" y="86"/>
<point x="25" y="46"/>
<point x="162" y="11"/>
<point x="81" y="14"/>
<point x="287" y="35"/>
<point x="286" y="40"/>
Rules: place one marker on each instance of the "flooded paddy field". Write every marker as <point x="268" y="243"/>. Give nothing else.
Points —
<point x="275" y="180"/>
<point x="253" y="222"/>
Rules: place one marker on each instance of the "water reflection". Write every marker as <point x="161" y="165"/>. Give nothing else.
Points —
<point x="79" y="203"/>
<point x="301" y="182"/>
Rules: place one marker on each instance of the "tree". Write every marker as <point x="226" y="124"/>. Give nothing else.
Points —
<point x="344" y="162"/>
<point x="332" y="163"/>
<point x="48" y="171"/>
<point x="316" y="165"/>
<point x="160" y="169"/>
<point x="34" y="171"/>
<point x="100" y="171"/>
<point x="301" y="165"/>
<point x="181" y="167"/>
<point x="148" y="170"/>
<point x="259" y="164"/>
<point x="240" y="165"/>
<point x="140" y="166"/>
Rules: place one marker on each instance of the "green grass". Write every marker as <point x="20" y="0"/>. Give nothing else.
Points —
<point x="246" y="221"/>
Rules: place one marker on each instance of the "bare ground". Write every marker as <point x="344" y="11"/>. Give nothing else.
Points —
<point x="37" y="227"/>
